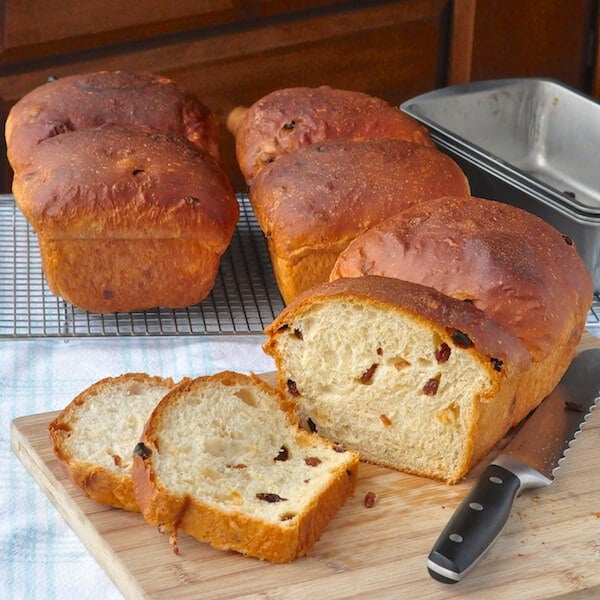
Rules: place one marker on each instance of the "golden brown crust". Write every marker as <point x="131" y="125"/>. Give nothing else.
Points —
<point x="490" y="339"/>
<point x="293" y="118"/>
<point x="318" y="199"/>
<point x="296" y="276"/>
<point x="127" y="275"/>
<point x="96" y="482"/>
<point x="128" y="218"/>
<point x="278" y="543"/>
<point x="126" y="182"/>
<point x="509" y="263"/>
<point x="88" y="100"/>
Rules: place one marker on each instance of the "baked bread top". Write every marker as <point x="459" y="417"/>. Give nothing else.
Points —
<point x="293" y="118"/>
<point x="88" y="100"/>
<point x="126" y="182"/>
<point x="323" y="196"/>
<point x="511" y="264"/>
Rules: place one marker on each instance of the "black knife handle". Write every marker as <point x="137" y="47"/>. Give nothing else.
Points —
<point x="475" y="525"/>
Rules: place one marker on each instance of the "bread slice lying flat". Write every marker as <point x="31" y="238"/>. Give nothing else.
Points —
<point x="222" y="458"/>
<point x="95" y="435"/>
<point x="410" y="378"/>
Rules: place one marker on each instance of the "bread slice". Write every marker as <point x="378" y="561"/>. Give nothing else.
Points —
<point x="410" y="378"/>
<point x="222" y="458"/>
<point x="95" y="435"/>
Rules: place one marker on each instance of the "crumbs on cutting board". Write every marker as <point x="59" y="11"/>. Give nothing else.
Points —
<point x="370" y="499"/>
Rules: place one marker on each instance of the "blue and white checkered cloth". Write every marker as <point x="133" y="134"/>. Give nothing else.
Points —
<point x="40" y="556"/>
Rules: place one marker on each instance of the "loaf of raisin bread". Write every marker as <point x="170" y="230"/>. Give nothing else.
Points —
<point x="409" y="377"/>
<point x="127" y="217"/>
<point x="509" y="263"/>
<point x="312" y="202"/>
<point x="292" y="118"/>
<point x="222" y="458"/>
<point x="95" y="435"/>
<point x="117" y="174"/>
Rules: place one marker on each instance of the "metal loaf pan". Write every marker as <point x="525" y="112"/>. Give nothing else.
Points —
<point x="534" y="143"/>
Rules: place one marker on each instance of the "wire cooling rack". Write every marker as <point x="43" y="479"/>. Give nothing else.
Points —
<point x="245" y="298"/>
<point x="593" y="319"/>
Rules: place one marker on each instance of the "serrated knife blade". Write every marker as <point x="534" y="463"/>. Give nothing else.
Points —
<point x="530" y="460"/>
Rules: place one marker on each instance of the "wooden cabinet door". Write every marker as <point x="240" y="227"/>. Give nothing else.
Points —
<point x="36" y="29"/>
<point x="523" y="38"/>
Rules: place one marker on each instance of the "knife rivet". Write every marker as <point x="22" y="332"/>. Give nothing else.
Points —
<point x="495" y="479"/>
<point x="456" y="537"/>
<point x="475" y="506"/>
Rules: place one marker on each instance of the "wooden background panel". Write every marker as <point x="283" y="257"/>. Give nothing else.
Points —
<point x="233" y="52"/>
<point x="523" y="38"/>
<point x="393" y="50"/>
<point x="42" y="28"/>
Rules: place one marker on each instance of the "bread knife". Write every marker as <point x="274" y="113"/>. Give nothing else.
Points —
<point x="530" y="460"/>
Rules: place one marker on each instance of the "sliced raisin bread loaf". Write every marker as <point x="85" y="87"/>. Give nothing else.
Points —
<point x="509" y="263"/>
<point x="95" y="435"/>
<point x="410" y="378"/>
<point x="223" y="459"/>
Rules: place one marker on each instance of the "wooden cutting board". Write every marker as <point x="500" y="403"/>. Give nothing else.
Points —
<point x="550" y="547"/>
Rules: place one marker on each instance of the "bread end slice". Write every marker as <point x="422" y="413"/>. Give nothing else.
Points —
<point x="94" y="436"/>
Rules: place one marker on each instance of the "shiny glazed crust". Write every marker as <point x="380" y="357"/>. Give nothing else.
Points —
<point x="234" y="529"/>
<point x="293" y="118"/>
<point x="315" y="201"/>
<point x="97" y="483"/>
<point x="127" y="217"/>
<point x="86" y="101"/>
<point x="509" y="263"/>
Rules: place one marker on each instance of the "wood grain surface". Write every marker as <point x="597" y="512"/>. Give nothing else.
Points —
<point x="550" y="547"/>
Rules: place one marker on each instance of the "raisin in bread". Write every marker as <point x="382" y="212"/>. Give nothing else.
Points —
<point x="95" y="435"/>
<point x="509" y="263"/>
<point x="292" y="118"/>
<point x="311" y="203"/>
<point x="410" y="378"/>
<point x="222" y="458"/>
